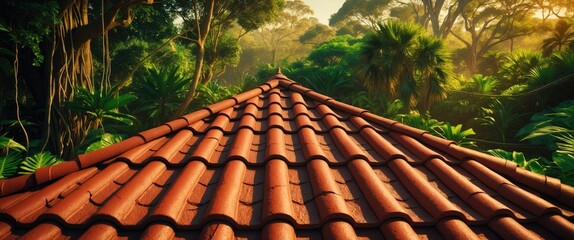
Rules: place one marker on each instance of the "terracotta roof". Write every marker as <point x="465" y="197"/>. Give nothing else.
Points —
<point x="282" y="161"/>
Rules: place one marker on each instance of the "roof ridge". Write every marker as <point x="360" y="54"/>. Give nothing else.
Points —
<point x="83" y="161"/>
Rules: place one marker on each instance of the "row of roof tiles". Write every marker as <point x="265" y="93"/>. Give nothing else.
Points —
<point x="281" y="160"/>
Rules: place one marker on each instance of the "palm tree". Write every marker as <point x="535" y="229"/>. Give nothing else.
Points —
<point x="167" y="86"/>
<point x="401" y="61"/>
<point x="518" y="66"/>
<point x="560" y="39"/>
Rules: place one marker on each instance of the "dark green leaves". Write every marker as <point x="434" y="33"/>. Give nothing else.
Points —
<point x="552" y="127"/>
<point x="566" y="164"/>
<point x="101" y="104"/>
<point x="107" y="139"/>
<point x="9" y="164"/>
<point x="401" y="61"/>
<point x="97" y="139"/>
<point x="455" y="133"/>
<point x="13" y="157"/>
<point x="7" y="144"/>
<point x="160" y="91"/>
<point x="533" y="165"/>
<point x="30" y="22"/>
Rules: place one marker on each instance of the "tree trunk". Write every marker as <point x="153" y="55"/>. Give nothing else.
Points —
<point x="69" y="65"/>
<point x="193" y="85"/>
<point x="203" y="27"/>
<point x="472" y="63"/>
<point x="208" y="75"/>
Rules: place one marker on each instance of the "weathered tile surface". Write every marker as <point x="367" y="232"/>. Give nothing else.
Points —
<point x="284" y="162"/>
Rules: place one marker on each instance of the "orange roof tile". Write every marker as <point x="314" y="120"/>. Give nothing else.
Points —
<point x="283" y="161"/>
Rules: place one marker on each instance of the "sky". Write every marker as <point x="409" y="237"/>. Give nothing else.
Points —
<point x="324" y="8"/>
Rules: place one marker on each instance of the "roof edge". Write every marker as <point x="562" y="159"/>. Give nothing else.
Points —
<point x="83" y="161"/>
<point x="548" y="185"/>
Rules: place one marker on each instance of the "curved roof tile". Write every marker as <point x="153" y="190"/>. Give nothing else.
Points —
<point x="283" y="161"/>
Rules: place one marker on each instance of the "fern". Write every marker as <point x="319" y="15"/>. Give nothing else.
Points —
<point x="39" y="160"/>
<point x="9" y="164"/>
<point x="106" y="139"/>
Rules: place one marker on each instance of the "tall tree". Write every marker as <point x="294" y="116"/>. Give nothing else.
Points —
<point x="441" y="15"/>
<point x="198" y="15"/>
<point x="220" y="54"/>
<point x="334" y="52"/>
<point x="68" y="63"/>
<point x="129" y="46"/>
<point x="555" y="8"/>
<point x="286" y="29"/>
<point x="401" y="61"/>
<point x="317" y="34"/>
<point x="249" y="17"/>
<point x="560" y="39"/>
<point x="368" y="12"/>
<point x="488" y="23"/>
<point x="202" y="16"/>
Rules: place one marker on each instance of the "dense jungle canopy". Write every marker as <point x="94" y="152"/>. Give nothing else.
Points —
<point x="79" y="75"/>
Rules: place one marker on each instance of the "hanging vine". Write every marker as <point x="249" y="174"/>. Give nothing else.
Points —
<point x="70" y="67"/>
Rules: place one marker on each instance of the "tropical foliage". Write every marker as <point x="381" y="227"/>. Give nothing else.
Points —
<point x="166" y="85"/>
<point x="211" y="93"/>
<point x="38" y="160"/>
<point x="518" y="66"/>
<point x="537" y="165"/>
<point x="560" y="39"/>
<point x="553" y="128"/>
<point x="500" y="116"/>
<point x="456" y="134"/>
<point x="16" y="159"/>
<point x="101" y="104"/>
<point x="485" y="84"/>
<point x="402" y="62"/>
<point x="377" y="104"/>
<point x="511" y="61"/>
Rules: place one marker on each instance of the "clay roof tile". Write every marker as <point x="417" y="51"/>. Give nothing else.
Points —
<point x="282" y="161"/>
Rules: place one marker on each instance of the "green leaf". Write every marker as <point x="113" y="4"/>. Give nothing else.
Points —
<point x="120" y="117"/>
<point x="567" y="143"/>
<point x="9" y="143"/>
<point x="93" y="136"/>
<point x="107" y="139"/>
<point x="564" y="161"/>
<point x="101" y="104"/>
<point x="39" y="160"/>
<point x="4" y="27"/>
<point x="454" y="133"/>
<point x="516" y="157"/>
<point x="534" y="166"/>
<point x="119" y="101"/>
<point x="548" y="130"/>
<point x="9" y="164"/>
<point x="519" y="158"/>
